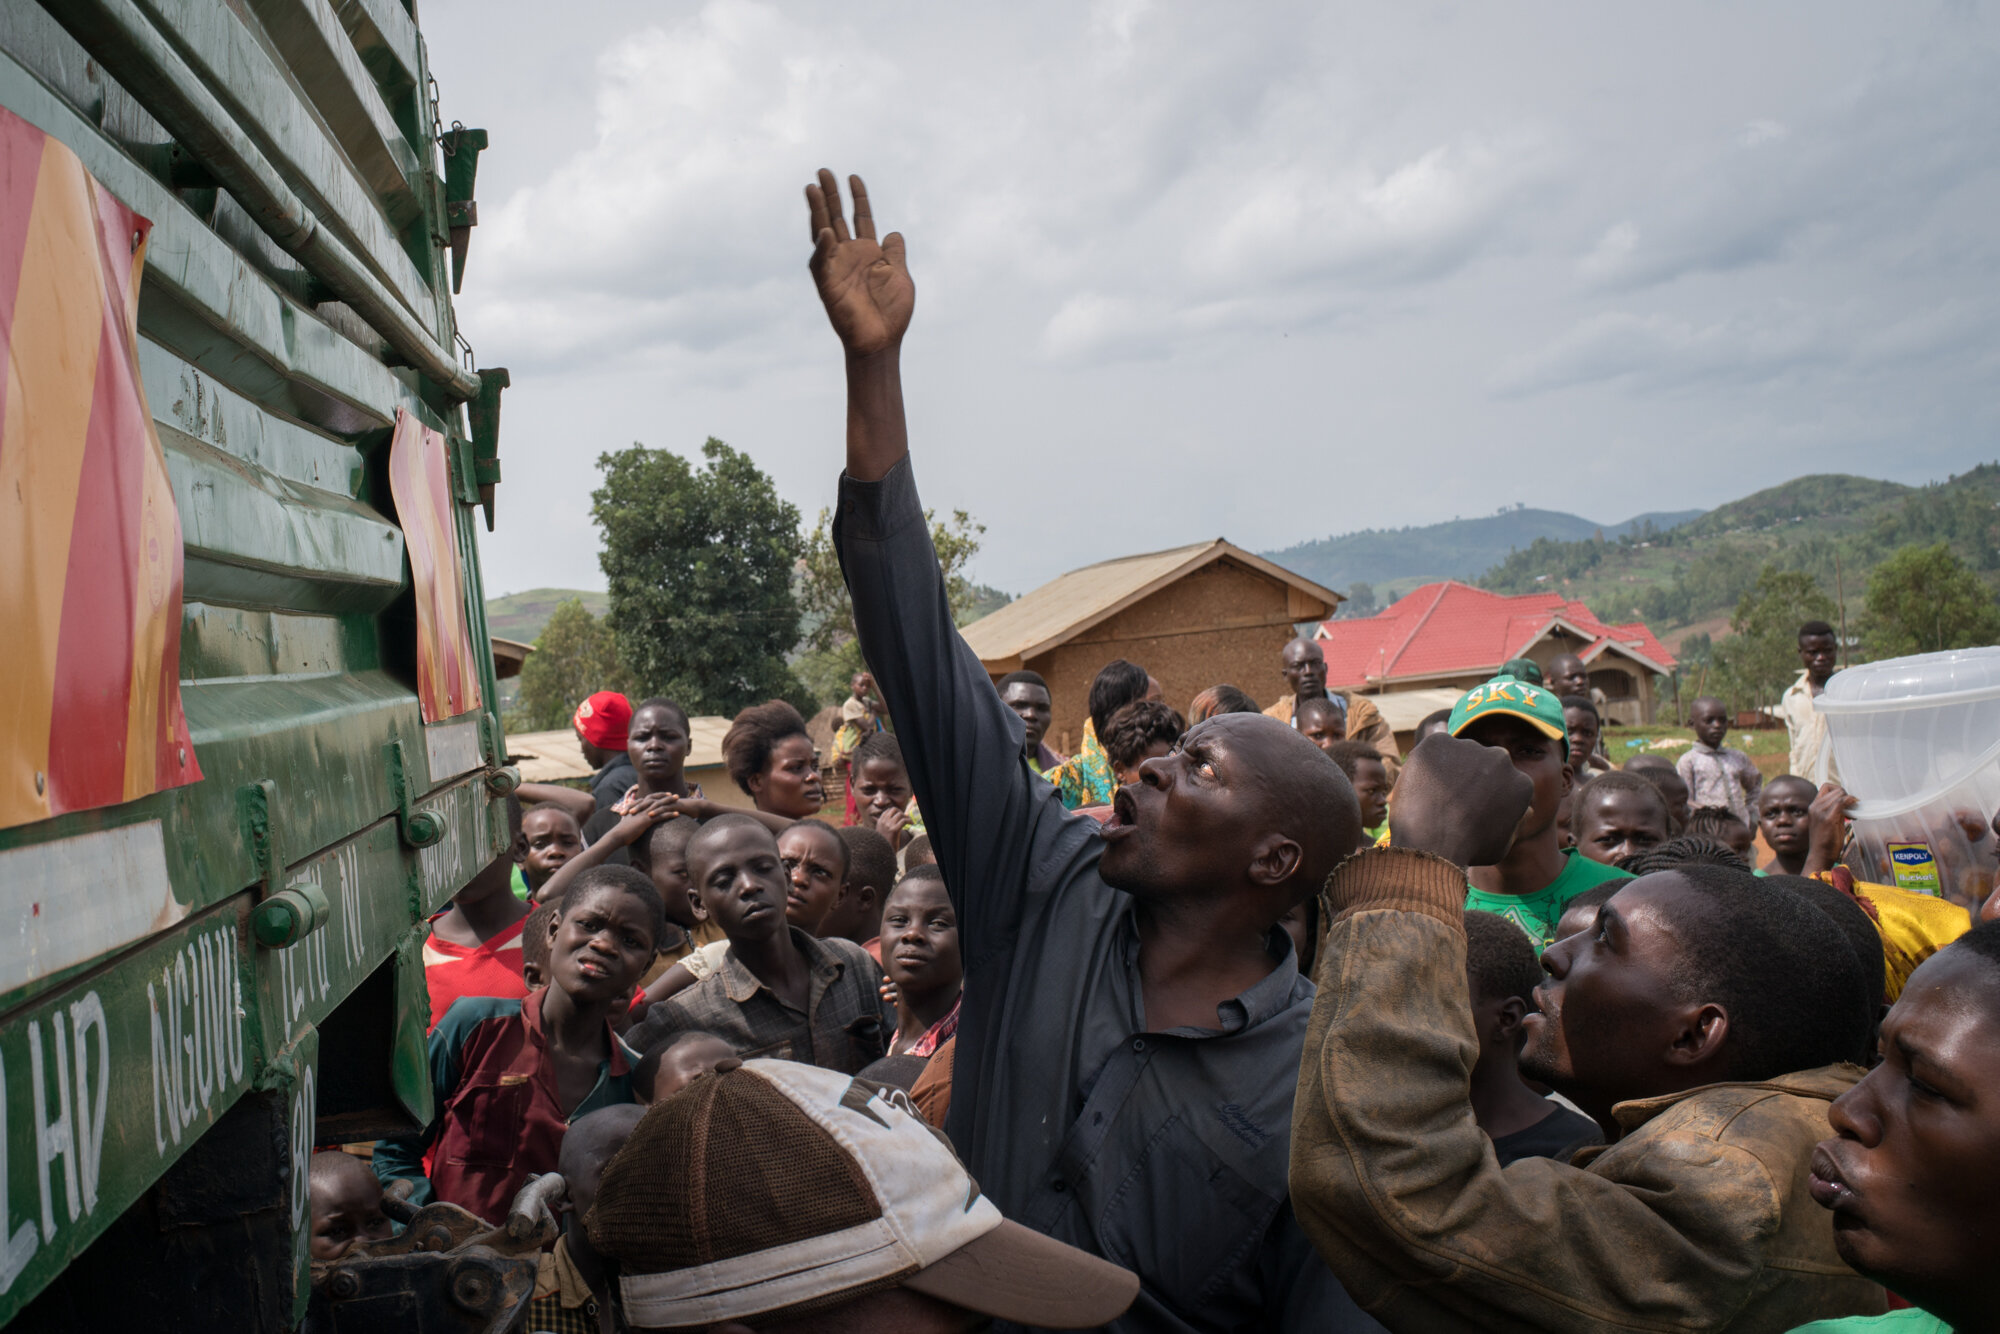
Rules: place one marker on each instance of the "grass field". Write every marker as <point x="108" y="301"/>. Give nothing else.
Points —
<point x="1770" y="748"/>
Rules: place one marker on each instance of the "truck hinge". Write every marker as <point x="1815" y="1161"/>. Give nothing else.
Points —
<point x="461" y="211"/>
<point x="285" y="914"/>
<point x="484" y="414"/>
<point x="420" y="829"/>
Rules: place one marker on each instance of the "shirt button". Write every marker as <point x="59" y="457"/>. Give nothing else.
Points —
<point x="1138" y="1044"/>
<point x="1060" y="1185"/>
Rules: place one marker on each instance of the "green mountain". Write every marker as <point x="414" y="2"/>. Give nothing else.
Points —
<point x="1395" y="560"/>
<point x="1834" y="527"/>
<point x="521" y="616"/>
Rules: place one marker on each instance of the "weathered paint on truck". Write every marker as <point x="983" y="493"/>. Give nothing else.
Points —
<point x="309" y="219"/>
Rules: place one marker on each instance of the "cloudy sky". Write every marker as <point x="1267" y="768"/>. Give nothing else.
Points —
<point x="1271" y="271"/>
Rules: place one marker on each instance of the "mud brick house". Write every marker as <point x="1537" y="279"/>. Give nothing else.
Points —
<point x="1193" y="617"/>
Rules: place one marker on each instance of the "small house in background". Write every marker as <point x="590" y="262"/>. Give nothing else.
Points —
<point x="1452" y="635"/>
<point x="1194" y="617"/>
<point x="552" y="757"/>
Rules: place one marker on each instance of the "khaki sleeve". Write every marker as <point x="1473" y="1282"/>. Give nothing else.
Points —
<point x="1366" y="723"/>
<point x="1399" y="1189"/>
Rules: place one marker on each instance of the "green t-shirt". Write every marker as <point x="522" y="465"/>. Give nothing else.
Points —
<point x="1896" y="1322"/>
<point x="1538" y="913"/>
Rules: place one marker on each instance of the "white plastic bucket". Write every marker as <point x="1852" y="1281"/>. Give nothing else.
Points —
<point x="1917" y="739"/>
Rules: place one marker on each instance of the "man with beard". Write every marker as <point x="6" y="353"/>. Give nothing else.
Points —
<point x="1132" y="1014"/>
<point x="1705" y="1022"/>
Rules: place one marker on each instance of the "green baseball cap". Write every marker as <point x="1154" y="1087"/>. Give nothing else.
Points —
<point x="1515" y="698"/>
<point x="1522" y="669"/>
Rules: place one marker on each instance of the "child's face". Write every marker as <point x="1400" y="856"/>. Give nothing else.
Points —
<point x="601" y="946"/>
<point x="549" y="837"/>
<point x="1371" y="789"/>
<point x="1674" y="792"/>
<point x="812" y="860"/>
<point x="682" y="1062"/>
<point x="740" y="880"/>
<point x="1321" y="725"/>
<point x="346" y="1208"/>
<point x="920" y="937"/>
<point x="1539" y="757"/>
<point x="1614" y="824"/>
<point x="1741" y="839"/>
<point x="790" y="786"/>
<point x="884" y="786"/>
<point x="1785" y="815"/>
<point x="1710" y="722"/>
<point x="1582" y="725"/>
<point x="657" y="745"/>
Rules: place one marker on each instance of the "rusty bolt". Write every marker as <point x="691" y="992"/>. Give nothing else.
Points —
<point x="344" y="1284"/>
<point x="472" y="1287"/>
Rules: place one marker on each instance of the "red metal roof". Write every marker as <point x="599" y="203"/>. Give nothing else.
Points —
<point x="1446" y="628"/>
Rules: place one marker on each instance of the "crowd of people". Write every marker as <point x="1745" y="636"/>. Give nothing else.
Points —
<point x="1243" y="1018"/>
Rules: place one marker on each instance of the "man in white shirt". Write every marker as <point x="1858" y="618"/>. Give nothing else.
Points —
<point x="1812" y="748"/>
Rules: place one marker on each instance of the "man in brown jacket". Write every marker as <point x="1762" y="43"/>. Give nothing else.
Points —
<point x="1303" y="665"/>
<point x="1706" y="1025"/>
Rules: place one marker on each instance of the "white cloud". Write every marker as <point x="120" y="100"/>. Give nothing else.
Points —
<point x="1277" y="271"/>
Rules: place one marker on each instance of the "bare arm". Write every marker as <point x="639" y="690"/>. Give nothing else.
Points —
<point x="580" y="805"/>
<point x="624" y="834"/>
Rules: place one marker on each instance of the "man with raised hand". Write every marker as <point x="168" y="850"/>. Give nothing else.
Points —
<point x="1133" y="1015"/>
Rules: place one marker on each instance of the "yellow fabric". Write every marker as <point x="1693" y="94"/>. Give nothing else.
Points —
<point x="1913" y="926"/>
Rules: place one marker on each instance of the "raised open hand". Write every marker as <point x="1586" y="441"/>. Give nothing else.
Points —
<point x="864" y="285"/>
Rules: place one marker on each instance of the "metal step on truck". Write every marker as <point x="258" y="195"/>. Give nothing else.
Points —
<point x="248" y="739"/>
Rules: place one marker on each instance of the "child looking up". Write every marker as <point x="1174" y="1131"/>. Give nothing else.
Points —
<point x="549" y="836"/>
<point x="346" y="1204"/>
<point x="1784" y="816"/>
<point x="1616" y="815"/>
<point x="1362" y="764"/>
<point x="871" y="874"/>
<point x="883" y="789"/>
<point x="779" y="991"/>
<point x="1501" y="974"/>
<point x="474" y="947"/>
<point x="1715" y="774"/>
<point x="1538" y="877"/>
<point x="510" y="1075"/>
<point x="920" y="955"/>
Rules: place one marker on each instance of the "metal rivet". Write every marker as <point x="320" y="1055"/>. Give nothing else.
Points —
<point x="41" y="782"/>
<point x="137" y="236"/>
<point x="183" y="751"/>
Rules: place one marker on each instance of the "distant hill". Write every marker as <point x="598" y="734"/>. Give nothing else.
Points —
<point x="521" y="616"/>
<point x="1834" y="527"/>
<point x="1397" y="560"/>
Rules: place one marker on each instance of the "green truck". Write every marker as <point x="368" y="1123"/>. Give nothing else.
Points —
<point x="200" y="983"/>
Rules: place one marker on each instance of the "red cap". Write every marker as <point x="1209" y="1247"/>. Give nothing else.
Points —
<point x="604" y="719"/>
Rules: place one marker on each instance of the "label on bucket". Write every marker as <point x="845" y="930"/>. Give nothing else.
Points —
<point x="1915" y="868"/>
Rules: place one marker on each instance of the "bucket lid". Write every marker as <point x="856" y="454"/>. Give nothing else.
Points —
<point x="1920" y="681"/>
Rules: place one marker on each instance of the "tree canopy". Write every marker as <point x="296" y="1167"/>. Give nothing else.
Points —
<point x="1760" y="657"/>
<point x="1924" y="599"/>
<point x="830" y="654"/>
<point x="699" y="563"/>
<point x="574" y="657"/>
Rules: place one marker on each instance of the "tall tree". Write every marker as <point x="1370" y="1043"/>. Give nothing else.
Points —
<point x="574" y="658"/>
<point x="1754" y="664"/>
<point x="829" y="654"/>
<point x="699" y="562"/>
<point x="1925" y="599"/>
